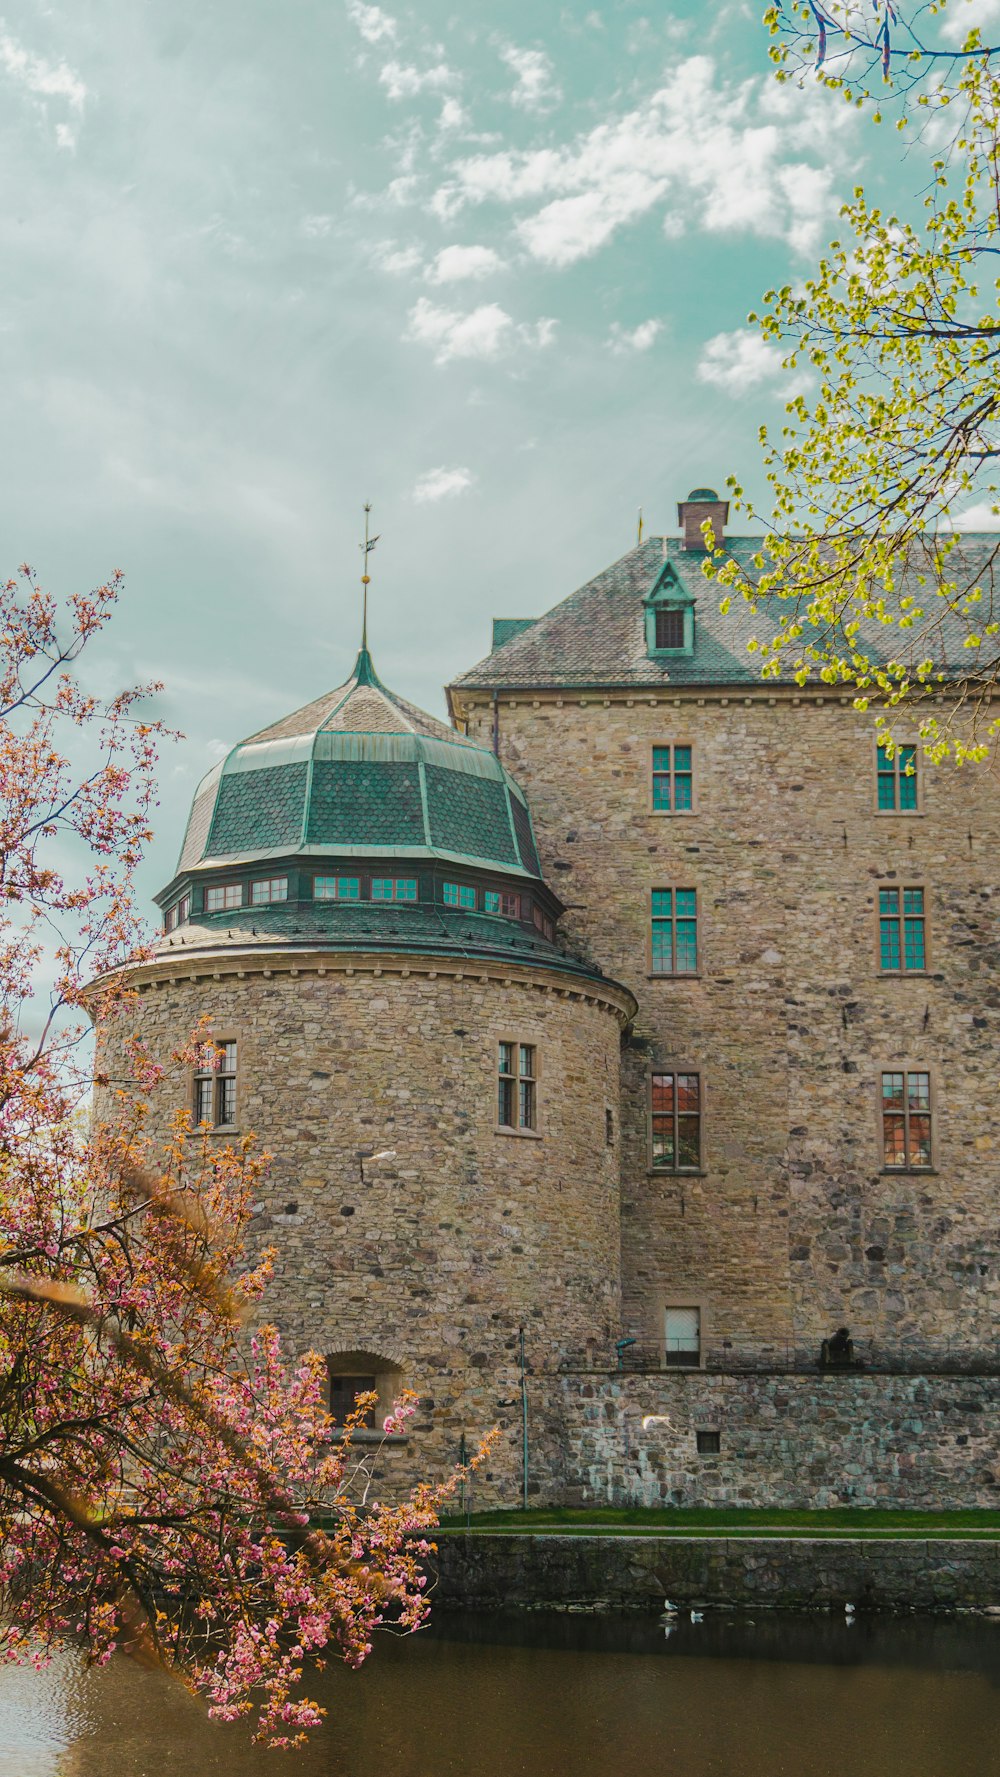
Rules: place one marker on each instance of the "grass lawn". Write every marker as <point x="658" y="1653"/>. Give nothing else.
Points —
<point x="839" y="1521"/>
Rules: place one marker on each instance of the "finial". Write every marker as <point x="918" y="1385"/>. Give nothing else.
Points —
<point x="639" y="537"/>
<point x="366" y="548"/>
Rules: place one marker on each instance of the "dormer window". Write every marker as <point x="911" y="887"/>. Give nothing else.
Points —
<point x="669" y="611"/>
<point x="669" y="630"/>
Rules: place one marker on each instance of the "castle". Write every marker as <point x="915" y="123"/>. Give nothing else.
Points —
<point x="616" y="1047"/>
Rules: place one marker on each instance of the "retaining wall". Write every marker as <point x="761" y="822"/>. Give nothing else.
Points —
<point x="506" y="1572"/>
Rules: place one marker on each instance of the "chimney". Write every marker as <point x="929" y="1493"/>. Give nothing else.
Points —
<point x="702" y="503"/>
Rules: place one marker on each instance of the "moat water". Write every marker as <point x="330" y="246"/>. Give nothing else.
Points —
<point x="544" y="1696"/>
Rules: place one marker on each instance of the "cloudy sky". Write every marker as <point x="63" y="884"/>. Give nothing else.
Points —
<point x="488" y="268"/>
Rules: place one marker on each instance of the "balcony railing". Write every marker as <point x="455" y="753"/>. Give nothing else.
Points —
<point x="719" y="1355"/>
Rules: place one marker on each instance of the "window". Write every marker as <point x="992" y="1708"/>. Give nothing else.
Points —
<point x="669" y="628"/>
<point x="344" y="1389"/>
<point x="336" y="888"/>
<point x="516" y="1086"/>
<point x="901" y="934"/>
<point x="389" y="888"/>
<point x="609" y="1129"/>
<point x="223" y="896"/>
<point x="269" y="888"/>
<point x="906" y="1119"/>
<point x="708" y="1443"/>
<point x="215" y="1085"/>
<point x="675" y="931"/>
<point x="512" y="906"/>
<point x="675" y="1117"/>
<point x="672" y="780"/>
<point x="178" y="913"/>
<point x="542" y="923"/>
<point x="457" y="894"/>
<point x="491" y="901"/>
<point x="897" y="779"/>
<point x="682" y="1338"/>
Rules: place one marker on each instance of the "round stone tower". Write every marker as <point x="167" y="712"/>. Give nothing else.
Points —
<point x="358" y="911"/>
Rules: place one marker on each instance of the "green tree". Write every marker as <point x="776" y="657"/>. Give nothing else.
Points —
<point x="862" y="579"/>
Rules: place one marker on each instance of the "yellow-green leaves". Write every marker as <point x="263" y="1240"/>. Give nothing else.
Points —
<point x="897" y="435"/>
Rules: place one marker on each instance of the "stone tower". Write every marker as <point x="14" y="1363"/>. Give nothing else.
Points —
<point x="359" y="911"/>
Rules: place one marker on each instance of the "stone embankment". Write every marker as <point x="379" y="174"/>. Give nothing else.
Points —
<point x="494" y="1572"/>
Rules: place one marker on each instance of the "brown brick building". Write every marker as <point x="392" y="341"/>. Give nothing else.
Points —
<point x="681" y="1072"/>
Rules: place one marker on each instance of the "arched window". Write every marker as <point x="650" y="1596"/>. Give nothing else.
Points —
<point x="350" y="1373"/>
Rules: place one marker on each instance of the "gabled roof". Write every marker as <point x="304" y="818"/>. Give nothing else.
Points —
<point x="596" y="637"/>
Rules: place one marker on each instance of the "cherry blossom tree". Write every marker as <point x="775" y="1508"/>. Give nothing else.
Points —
<point x="168" y="1486"/>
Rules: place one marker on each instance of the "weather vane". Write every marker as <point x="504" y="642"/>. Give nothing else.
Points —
<point x="366" y="548"/>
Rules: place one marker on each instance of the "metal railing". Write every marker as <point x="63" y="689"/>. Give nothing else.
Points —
<point x="719" y="1355"/>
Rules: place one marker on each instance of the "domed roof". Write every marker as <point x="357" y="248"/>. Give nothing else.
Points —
<point x="360" y="772"/>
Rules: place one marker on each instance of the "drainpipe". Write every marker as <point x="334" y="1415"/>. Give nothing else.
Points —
<point x="524" y="1423"/>
<point x="496" y="724"/>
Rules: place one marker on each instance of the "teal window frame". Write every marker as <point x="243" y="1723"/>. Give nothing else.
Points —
<point x="394" y="888"/>
<point x="902" y="930"/>
<point x="459" y="894"/>
<point x="673" y="778"/>
<point x="896" y="778"/>
<point x="341" y="888"/>
<point x="674" y="936"/>
<point x="669" y="595"/>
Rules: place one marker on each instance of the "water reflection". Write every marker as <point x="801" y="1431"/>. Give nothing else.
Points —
<point x="543" y="1696"/>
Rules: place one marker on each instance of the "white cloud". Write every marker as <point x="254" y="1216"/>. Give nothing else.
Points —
<point x="403" y="82"/>
<point x="46" y="80"/>
<point x="485" y="332"/>
<point x="535" y="90"/>
<point x="396" y="260"/>
<point x="41" y="81"/>
<point x="738" y="361"/>
<point x="452" y="116"/>
<point x="727" y="159"/>
<point x="634" y="339"/>
<point x="374" y="25"/>
<point x="441" y="484"/>
<point x="315" y="228"/>
<point x="981" y="517"/>
<point x="968" y="15"/>
<point x="453" y="264"/>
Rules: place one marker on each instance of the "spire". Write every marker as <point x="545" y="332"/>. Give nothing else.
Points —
<point x="366" y="548"/>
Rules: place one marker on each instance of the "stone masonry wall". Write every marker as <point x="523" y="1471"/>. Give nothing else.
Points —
<point x="930" y="1442"/>
<point x="432" y="1258"/>
<point x="640" y="1572"/>
<point x="792" y="1227"/>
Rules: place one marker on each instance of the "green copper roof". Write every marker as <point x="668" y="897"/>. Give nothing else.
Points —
<point x="360" y="773"/>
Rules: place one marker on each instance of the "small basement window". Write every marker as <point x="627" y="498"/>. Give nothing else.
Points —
<point x="709" y="1443"/>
